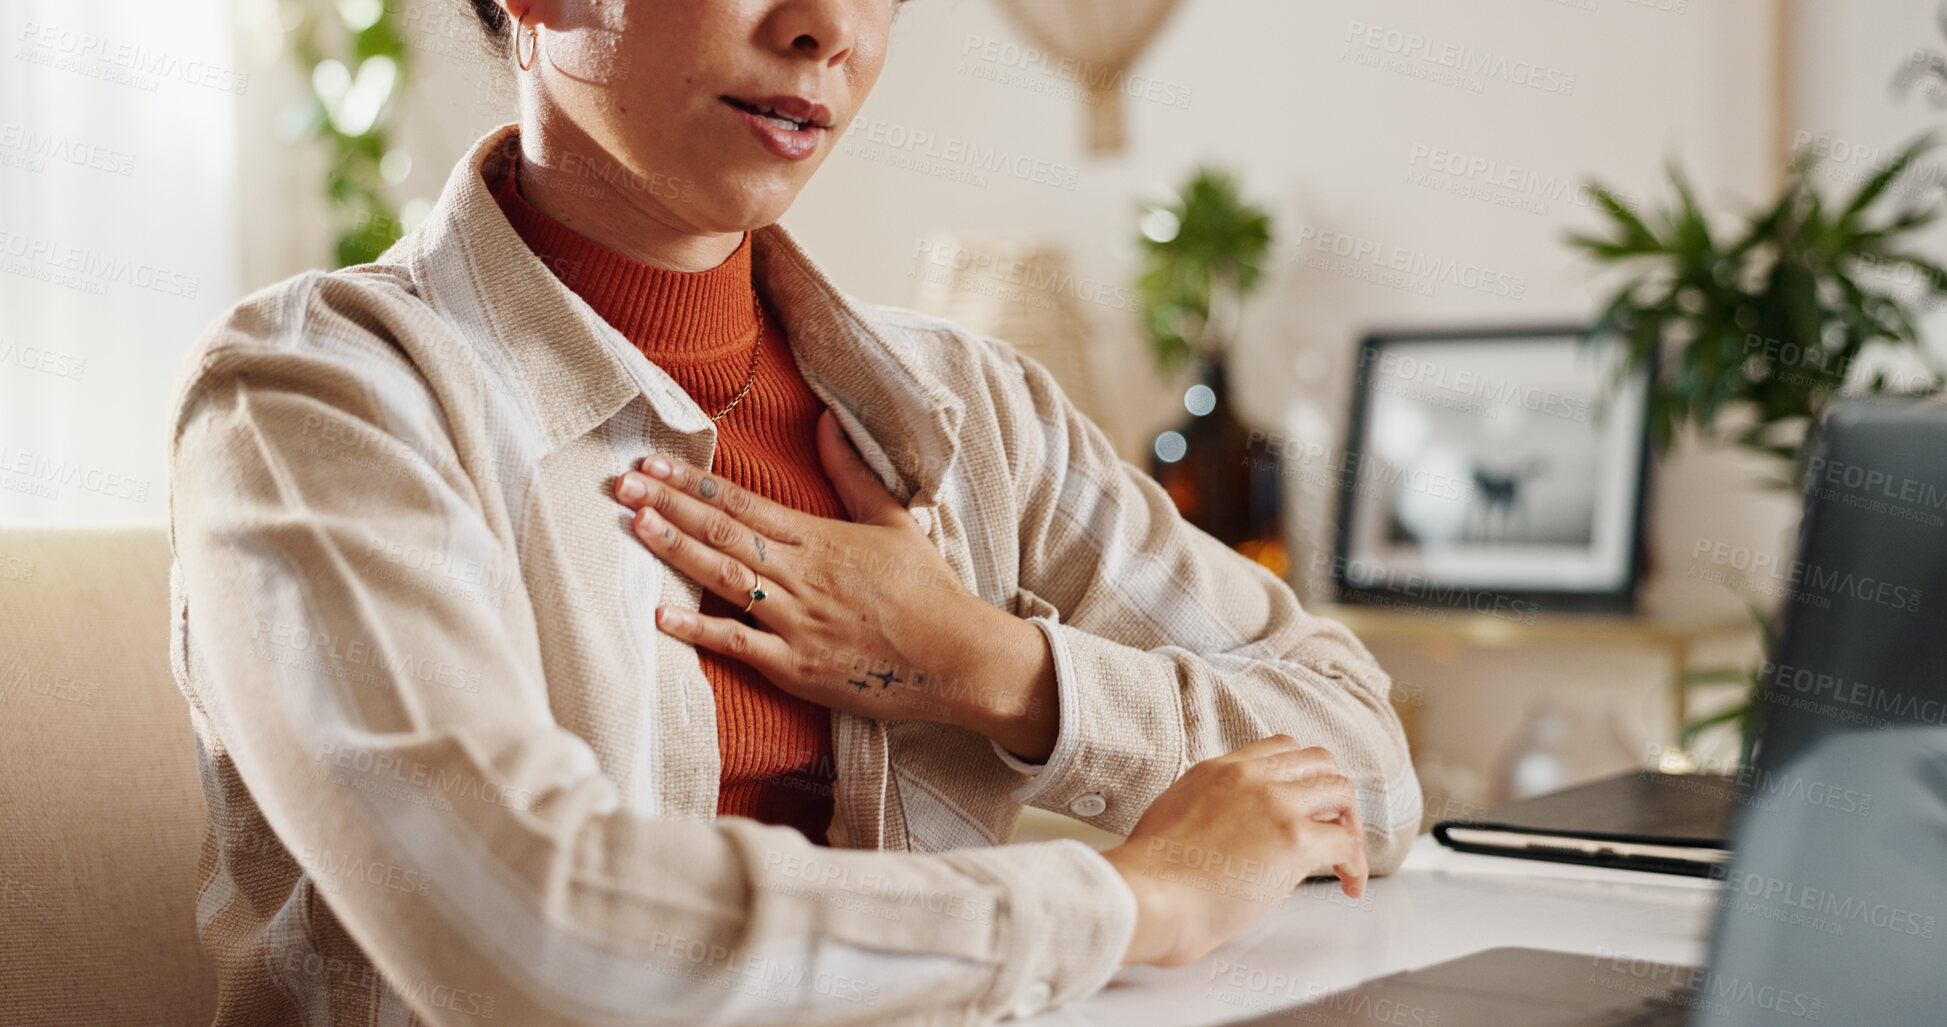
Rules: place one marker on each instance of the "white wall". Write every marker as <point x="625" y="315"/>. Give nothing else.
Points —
<point x="117" y="229"/>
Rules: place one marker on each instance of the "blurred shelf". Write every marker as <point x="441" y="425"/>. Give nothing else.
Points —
<point x="1673" y="631"/>
<point x="1483" y="629"/>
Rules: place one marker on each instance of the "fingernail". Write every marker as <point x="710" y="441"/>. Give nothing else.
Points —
<point x="648" y="519"/>
<point x="633" y="488"/>
<point x="674" y="618"/>
<point x="657" y="466"/>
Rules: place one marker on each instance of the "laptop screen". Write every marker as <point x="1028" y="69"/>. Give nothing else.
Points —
<point x="1834" y="908"/>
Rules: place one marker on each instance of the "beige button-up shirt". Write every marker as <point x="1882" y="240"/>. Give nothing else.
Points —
<point x="455" y="773"/>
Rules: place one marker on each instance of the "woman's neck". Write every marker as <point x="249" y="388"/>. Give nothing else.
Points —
<point x="571" y="179"/>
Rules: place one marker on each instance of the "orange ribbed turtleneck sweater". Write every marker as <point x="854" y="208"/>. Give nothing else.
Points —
<point x="700" y="328"/>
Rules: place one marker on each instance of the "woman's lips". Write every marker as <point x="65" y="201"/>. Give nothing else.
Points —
<point x="784" y="137"/>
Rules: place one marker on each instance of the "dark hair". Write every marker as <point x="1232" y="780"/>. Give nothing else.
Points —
<point x="494" y="22"/>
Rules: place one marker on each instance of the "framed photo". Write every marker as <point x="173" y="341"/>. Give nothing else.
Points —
<point x="1499" y="471"/>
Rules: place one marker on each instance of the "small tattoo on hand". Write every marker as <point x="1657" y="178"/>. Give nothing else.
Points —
<point x="758" y="541"/>
<point x="886" y="678"/>
<point x="860" y="685"/>
<point x="708" y="487"/>
<point x="668" y="533"/>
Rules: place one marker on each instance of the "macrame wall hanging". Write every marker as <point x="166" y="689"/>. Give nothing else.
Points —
<point x="1104" y="38"/>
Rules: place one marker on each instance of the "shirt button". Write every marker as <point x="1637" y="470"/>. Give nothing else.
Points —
<point x="1034" y="999"/>
<point x="1090" y="805"/>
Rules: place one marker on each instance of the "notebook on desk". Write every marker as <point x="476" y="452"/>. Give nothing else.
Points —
<point x="1642" y="820"/>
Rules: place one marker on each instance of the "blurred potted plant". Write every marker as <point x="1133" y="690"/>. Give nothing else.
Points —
<point x="1764" y="322"/>
<point x="1202" y="254"/>
<point x="355" y="59"/>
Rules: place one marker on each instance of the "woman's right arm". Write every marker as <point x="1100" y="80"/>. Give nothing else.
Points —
<point x="343" y="689"/>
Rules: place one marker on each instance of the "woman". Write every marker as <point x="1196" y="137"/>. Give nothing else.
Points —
<point x="591" y="615"/>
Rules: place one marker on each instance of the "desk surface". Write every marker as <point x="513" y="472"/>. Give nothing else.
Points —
<point x="1441" y="904"/>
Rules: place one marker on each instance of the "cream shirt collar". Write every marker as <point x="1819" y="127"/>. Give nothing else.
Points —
<point x="577" y="371"/>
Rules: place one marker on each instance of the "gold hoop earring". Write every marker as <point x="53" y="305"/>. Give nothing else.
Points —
<point x="533" y="51"/>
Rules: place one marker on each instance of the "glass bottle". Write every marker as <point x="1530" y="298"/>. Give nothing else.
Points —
<point x="1225" y="478"/>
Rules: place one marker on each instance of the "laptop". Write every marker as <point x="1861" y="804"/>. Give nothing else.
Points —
<point x="1834" y="902"/>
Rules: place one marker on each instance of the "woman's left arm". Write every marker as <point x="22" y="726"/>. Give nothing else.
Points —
<point x="1169" y="646"/>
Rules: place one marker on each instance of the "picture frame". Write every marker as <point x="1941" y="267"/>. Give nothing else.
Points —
<point x="1502" y="471"/>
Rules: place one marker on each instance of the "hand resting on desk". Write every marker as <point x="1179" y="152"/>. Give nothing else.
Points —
<point x="1230" y="840"/>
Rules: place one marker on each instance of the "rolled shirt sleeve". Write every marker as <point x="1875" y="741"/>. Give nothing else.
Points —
<point x="1170" y="647"/>
<point x="508" y="868"/>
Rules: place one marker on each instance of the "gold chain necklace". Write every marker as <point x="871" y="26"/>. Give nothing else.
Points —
<point x="754" y="354"/>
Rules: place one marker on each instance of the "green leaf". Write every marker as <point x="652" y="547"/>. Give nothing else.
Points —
<point x="1718" y="676"/>
<point x="1733" y="715"/>
<point x="1875" y="186"/>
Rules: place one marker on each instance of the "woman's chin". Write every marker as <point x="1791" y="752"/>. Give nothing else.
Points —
<point x="741" y="208"/>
